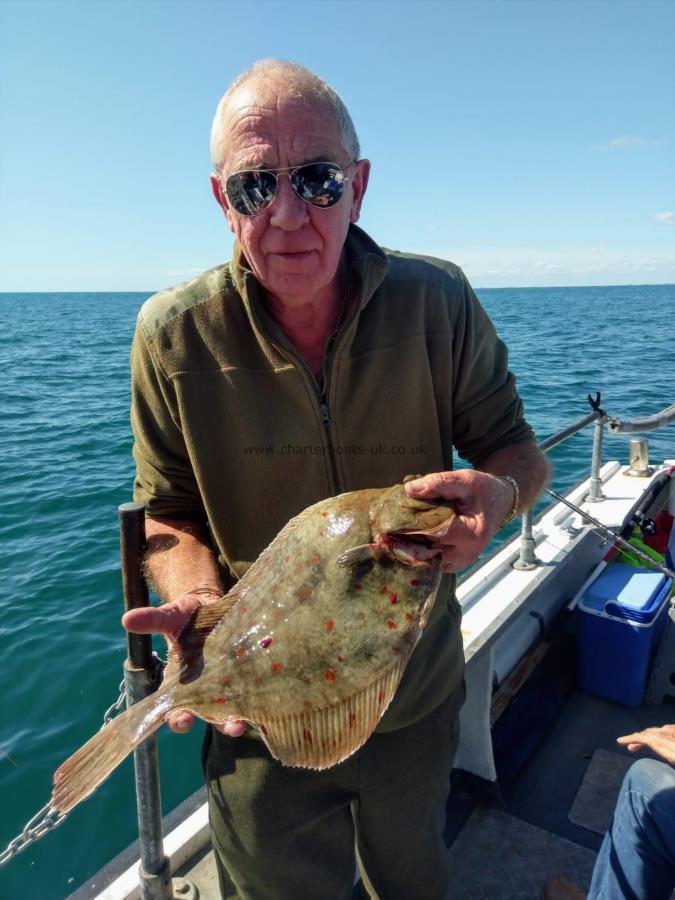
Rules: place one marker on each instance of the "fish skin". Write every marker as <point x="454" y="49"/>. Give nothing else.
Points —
<point x="307" y="648"/>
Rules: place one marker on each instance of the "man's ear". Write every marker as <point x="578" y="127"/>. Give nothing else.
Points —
<point x="359" y="181"/>
<point x="221" y="198"/>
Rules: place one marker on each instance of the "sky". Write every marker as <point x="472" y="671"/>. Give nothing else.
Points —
<point x="532" y="143"/>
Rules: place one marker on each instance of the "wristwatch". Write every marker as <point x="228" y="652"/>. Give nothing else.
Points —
<point x="516" y="497"/>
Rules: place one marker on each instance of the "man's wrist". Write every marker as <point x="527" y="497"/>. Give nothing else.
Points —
<point x="510" y="516"/>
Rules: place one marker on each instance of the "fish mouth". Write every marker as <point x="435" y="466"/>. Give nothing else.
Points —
<point x="413" y="547"/>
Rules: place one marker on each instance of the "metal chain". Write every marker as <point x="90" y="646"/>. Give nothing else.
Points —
<point x="114" y="708"/>
<point x="43" y="821"/>
<point x="49" y="818"/>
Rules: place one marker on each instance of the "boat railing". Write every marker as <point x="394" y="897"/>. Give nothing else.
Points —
<point x="527" y="559"/>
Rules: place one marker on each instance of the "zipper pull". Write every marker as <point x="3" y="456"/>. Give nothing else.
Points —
<point x="323" y="415"/>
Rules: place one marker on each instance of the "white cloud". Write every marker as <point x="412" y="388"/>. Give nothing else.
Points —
<point x="537" y="267"/>
<point x="665" y="218"/>
<point x="625" y="142"/>
<point x="620" y="142"/>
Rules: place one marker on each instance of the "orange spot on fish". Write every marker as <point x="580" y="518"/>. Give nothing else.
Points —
<point x="329" y="675"/>
<point x="352" y="719"/>
<point x="391" y="624"/>
<point x="380" y="697"/>
<point x="243" y="610"/>
<point x="315" y="559"/>
<point x="277" y="613"/>
<point x="392" y="598"/>
<point x="409" y="616"/>
<point x="225" y="679"/>
<point x="341" y="659"/>
<point x="307" y="735"/>
<point x="325" y="515"/>
<point x="286" y="558"/>
<point x="219" y="700"/>
<point x="241" y="652"/>
<point x="276" y="667"/>
<point x="414" y="582"/>
<point x="330" y="625"/>
<point x="383" y="589"/>
<point x="304" y="592"/>
<point x="265" y="642"/>
<point x="263" y="729"/>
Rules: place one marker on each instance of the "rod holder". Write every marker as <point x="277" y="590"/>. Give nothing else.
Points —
<point x="638" y="454"/>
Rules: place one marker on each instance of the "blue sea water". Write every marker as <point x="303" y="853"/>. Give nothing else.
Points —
<point x="65" y="458"/>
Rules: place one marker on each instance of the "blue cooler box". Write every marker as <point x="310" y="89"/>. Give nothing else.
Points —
<point x="621" y="618"/>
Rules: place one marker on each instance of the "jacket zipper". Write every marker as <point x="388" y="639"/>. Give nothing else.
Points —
<point x="324" y="418"/>
<point x="321" y="395"/>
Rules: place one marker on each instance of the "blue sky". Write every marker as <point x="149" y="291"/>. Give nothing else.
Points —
<point x="532" y="143"/>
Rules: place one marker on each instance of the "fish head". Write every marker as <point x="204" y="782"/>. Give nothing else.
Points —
<point x="408" y="527"/>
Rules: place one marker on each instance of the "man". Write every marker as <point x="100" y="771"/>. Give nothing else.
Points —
<point x="316" y="363"/>
<point x="637" y="857"/>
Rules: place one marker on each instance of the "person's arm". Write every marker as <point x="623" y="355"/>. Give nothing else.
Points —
<point x="182" y="568"/>
<point x="660" y="740"/>
<point x="482" y="500"/>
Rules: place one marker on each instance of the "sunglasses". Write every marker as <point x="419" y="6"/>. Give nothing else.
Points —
<point x="251" y="191"/>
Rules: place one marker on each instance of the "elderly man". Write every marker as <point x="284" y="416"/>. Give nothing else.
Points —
<point x="316" y="363"/>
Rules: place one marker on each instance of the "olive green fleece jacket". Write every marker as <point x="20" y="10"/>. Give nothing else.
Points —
<point x="232" y="428"/>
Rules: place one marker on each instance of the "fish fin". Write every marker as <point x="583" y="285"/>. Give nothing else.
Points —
<point x="318" y="739"/>
<point x="356" y="555"/>
<point x="184" y="656"/>
<point x="82" y="773"/>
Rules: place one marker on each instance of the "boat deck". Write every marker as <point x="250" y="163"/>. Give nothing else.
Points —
<point x="505" y="849"/>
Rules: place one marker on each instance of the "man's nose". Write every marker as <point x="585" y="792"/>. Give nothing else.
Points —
<point x="288" y="211"/>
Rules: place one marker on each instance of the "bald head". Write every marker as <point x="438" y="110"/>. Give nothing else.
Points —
<point x="279" y="83"/>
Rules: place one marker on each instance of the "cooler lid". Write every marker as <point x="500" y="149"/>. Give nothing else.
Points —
<point x="632" y="593"/>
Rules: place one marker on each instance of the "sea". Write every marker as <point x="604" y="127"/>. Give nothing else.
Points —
<point x="65" y="458"/>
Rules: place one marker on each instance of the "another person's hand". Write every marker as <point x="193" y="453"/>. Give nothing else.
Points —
<point x="169" y="620"/>
<point x="660" y="740"/>
<point x="481" y="501"/>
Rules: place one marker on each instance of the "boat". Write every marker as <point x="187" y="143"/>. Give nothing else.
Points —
<point x="537" y="770"/>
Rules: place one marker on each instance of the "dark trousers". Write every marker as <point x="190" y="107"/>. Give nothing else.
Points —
<point x="282" y="833"/>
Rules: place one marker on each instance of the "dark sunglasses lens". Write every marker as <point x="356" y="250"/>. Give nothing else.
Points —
<point x="251" y="192"/>
<point x="320" y="184"/>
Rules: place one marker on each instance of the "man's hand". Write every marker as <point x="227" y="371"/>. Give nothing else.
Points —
<point x="660" y="740"/>
<point x="170" y="619"/>
<point x="481" y="501"/>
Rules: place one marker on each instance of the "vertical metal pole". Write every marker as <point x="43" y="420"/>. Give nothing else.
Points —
<point x="595" y="495"/>
<point x="528" y="558"/>
<point x="141" y="677"/>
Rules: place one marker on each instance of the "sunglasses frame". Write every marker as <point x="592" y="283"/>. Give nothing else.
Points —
<point x="287" y="170"/>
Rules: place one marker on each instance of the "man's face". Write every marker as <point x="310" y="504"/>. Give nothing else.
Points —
<point x="292" y="248"/>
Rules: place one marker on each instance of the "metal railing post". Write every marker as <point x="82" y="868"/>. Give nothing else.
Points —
<point x="141" y="677"/>
<point x="527" y="559"/>
<point x="595" y="494"/>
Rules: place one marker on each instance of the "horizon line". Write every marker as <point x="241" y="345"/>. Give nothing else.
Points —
<point x="519" y="287"/>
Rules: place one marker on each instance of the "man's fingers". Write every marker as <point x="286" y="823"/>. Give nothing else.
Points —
<point x="437" y="484"/>
<point x="232" y="727"/>
<point x="181" y="722"/>
<point x="168" y="620"/>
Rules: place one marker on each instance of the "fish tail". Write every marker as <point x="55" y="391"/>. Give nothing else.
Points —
<point x="82" y="772"/>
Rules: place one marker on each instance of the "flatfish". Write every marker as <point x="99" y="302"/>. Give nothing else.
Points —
<point x="309" y="646"/>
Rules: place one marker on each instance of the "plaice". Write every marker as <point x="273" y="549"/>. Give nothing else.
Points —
<point x="309" y="647"/>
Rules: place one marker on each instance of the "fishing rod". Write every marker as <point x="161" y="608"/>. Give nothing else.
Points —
<point x="614" y="536"/>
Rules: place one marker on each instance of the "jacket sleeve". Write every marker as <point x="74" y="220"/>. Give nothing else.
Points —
<point x="487" y="410"/>
<point x="165" y="481"/>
